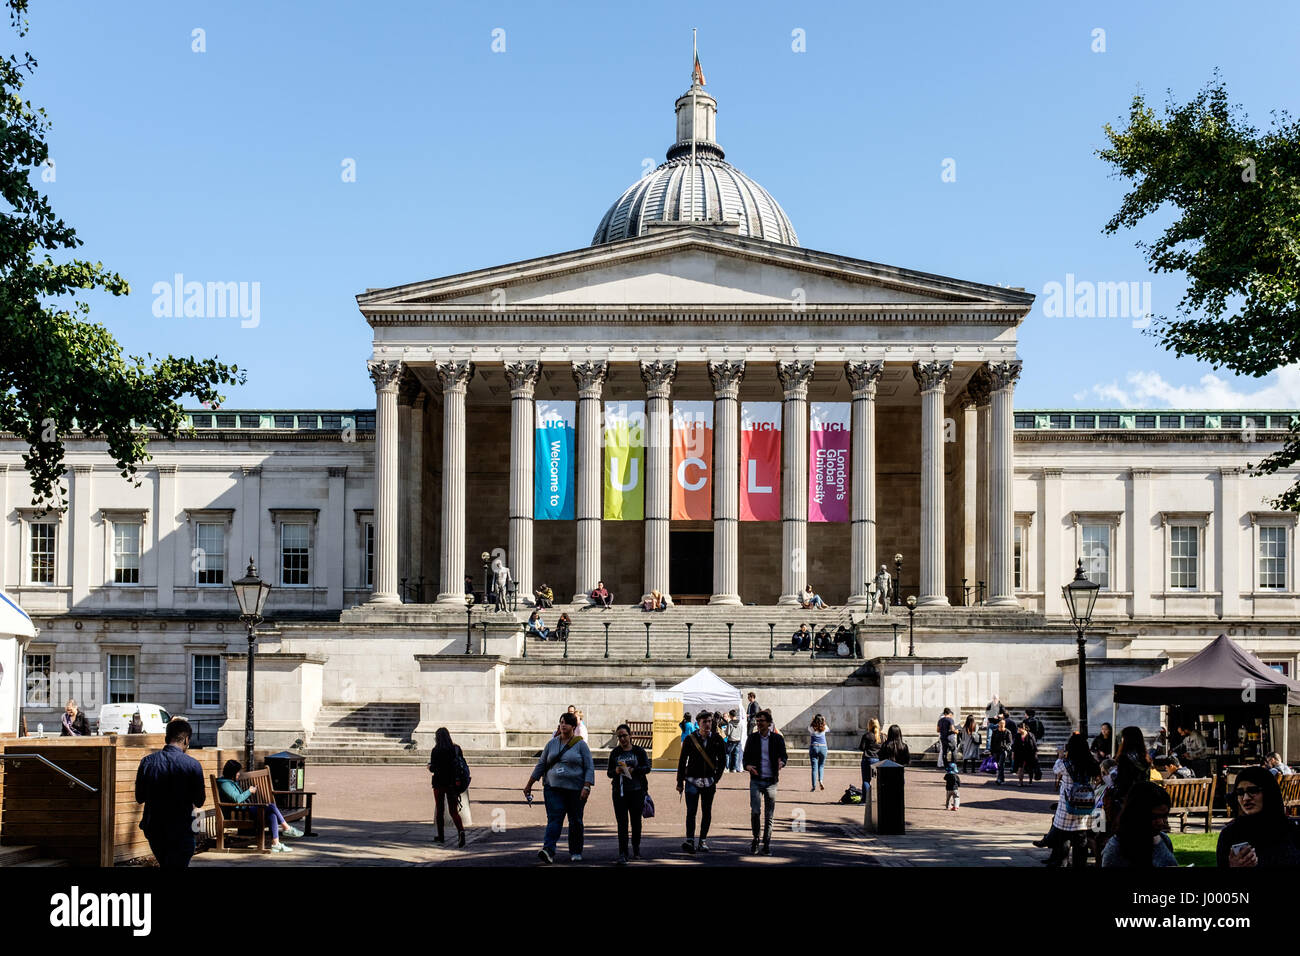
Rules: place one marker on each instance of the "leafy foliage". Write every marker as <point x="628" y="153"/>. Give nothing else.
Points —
<point x="1236" y="194"/>
<point x="59" y="371"/>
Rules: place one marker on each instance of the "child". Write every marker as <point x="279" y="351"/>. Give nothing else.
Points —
<point x="952" y="783"/>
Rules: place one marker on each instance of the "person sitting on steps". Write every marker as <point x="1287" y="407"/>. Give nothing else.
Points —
<point x="601" y="597"/>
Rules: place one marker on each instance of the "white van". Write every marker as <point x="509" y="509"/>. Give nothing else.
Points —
<point x="116" y="718"/>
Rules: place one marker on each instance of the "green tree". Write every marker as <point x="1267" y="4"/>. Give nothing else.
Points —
<point x="59" y="371"/>
<point x="1235" y="194"/>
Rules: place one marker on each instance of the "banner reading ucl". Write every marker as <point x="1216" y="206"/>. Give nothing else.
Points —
<point x="828" y="461"/>
<point x="553" y="462"/>
<point x="760" y="461"/>
<point x="625" y="427"/>
<point x="692" y="461"/>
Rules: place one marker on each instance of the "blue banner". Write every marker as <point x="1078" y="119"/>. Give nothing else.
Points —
<point x="553" y="458"/>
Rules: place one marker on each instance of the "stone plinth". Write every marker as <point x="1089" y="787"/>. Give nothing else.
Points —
<point x="1103" y="674"/>
<point x="462" y="693"/>
<point x="915" y="690"/>
<point x="287" y="692"/>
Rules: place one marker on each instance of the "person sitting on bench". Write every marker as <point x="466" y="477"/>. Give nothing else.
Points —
<point x="231" y="793"/>
<point x="537" y="626"/>
<point x="601" y="597"/>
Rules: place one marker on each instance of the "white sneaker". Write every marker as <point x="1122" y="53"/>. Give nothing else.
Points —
<point x="575" y="857"/>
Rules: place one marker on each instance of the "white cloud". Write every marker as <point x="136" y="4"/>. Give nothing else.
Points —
<point x="1146" y="389"/>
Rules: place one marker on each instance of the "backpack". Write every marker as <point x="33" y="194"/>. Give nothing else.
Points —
<point x="1080" y="798"/>
<point x="851" y="795"/>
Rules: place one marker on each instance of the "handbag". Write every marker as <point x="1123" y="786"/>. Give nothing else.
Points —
<point x="648" y="808"/>
<point x="989" y="765"/>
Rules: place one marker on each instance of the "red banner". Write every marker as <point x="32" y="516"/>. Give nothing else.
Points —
<point x="760" y="461"/>
<point x="692" y="483"/>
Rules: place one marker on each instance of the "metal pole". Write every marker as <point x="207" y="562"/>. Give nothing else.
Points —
<point x="898" y="584"/>
<point x="688" y="640"/>
<point x="607" y="640"/>
<point x="911" y="632"/>
<point x="771" y="641"/>
<point x="647" y="640"/>
<point x="566" y="649"/>
<point x="469" y="625"/>
<point x="525" y="654"/>
<point x="248" y="712"/>
<point x="896" y="627"/>
<point x="729" y="626"/>
<point x="1083" y="690"/>
<point x="482" y="648"/>
<point x="487" y="570"/>
<point x="965" y="592"/>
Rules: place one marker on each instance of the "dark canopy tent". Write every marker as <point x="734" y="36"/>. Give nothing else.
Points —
<point x="1220" y="677"/>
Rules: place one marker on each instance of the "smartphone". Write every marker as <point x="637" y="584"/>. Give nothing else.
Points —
<point x="529" y="797"/>
<point x="1240" y="847"/>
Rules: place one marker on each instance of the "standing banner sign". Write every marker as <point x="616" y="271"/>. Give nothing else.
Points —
<point x="625" y="428"/>
<point x="553" y="462"/>
<point x="760" y="461"/>
<point x="828" y="462"/>
<point x="692" y="461"/>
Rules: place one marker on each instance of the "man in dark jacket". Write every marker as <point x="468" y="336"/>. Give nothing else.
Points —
<point x="765" y="755"/>
<point x="704" y="755"/>
<point x="170" y="785"/>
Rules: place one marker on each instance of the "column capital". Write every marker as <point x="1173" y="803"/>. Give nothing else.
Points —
<point x="1002" y="374"/>
<point x="522" y="376"/>
<point x="726" y="376"/>
<point x="454" y="376"/>
<point x="795" y="376"/>
<point x="863" y="377"/>
<point x="340" y="471"/>
<point x="658" y="376"/>
<point x="966" y="400"/>
<point x="932" y="376"/>
<point x="385" y="374"/>
<point x="590" y="377"/>
<point x="979" y="388"/>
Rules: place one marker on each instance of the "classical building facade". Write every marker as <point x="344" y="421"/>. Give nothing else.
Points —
<point x="694" y="404"/>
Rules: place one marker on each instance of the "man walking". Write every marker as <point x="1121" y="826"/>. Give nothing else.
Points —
<point x="698" y="770"/>
<point x="731" y="734"/>
<point x="765" y="755"/>
<point x="751" y="714"/>
<point x="170" y="785"/>
<point x="947" y="729"/>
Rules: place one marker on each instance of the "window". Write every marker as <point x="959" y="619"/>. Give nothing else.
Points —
<point x="1085" y="421"/>
<point x="295" y="556"/>
<point x="1272" y="558"/>
<point x="1184" y="555"/>
<point x="207" y="680"/>
<point x="1230" y="421"/>
<point x="283" y="421"/>
<point x="210" y="559"/>
<point x="1282" y="667"/>
<point x="126" y="552"/>
<point x="38" y="680"/>
<point x="201" y="421"/>
<point x="1059" y="421"/>
<point x="1144" y="421"/>
<point x="1194" y="421"/>
<point x="121" y="678"/>
<point x="225" y="421"/>
<point x="1017" y="545"/>
<point x="1279" y="421"/>
<point x="1096" y="554"/>
<point x="1108" y="421"/>
<point x="368" y="557"/>
<point x="1170" y="421"/>
<point x="1024" y="420"/>
<point x="41" y="543"/>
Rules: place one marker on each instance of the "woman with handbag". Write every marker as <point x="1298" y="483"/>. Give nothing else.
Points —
<point x="568" y="774"/>
<point x="629" y="768"/>
<point x="698" y="771"/>
<point x="450" y="780"/>
<point x="968" y="743"/>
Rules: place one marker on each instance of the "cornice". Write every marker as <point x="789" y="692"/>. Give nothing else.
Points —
<point x="923" y="313"/>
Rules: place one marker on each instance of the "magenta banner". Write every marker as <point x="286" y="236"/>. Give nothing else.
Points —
<point x="828" y="461"/>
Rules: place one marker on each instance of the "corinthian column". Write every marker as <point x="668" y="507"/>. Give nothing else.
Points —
<point x="726" y="377"/>
<point x="590" y="377"/>
<point x="978" y="389"/>
<point x="932" y="377"/>
<point x="1002" y="378"/>
<point x="863" y="377"/>
<point x="454" y="378"/>
<point x="386" y="376"/>
<point x="522" y="377"/>
<point x="658" y="377"/>
<point x="794" y="377"/>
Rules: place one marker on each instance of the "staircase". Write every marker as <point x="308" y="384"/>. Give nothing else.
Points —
<point x="374" y="733"/>
<point x="26" y="856"/>
<point x="1057" y="727"/>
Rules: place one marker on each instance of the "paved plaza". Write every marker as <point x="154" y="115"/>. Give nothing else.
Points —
<point x="383" y="816"/>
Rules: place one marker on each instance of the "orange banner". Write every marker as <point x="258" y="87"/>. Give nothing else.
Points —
<point x="692" y="461"/>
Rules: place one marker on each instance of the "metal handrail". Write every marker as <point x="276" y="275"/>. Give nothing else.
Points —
<point x="52" y="766"/>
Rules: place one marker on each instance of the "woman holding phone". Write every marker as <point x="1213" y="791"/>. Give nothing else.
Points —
<point x="1263" y="835"/>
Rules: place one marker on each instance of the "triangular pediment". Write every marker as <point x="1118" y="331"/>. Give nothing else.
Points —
<point x="691" y="265"/>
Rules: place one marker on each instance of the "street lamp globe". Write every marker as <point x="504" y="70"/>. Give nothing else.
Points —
<point x="911" y="602"/>
<point x="251" y="593"/>
<point x="1080" y="597"/>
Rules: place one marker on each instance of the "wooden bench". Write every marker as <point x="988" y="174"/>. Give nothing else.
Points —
<point x="642" y="733"/>
<point x="1290" y="787"/>
<point x="293" y="804"/>
<point x="1194" y="795"/>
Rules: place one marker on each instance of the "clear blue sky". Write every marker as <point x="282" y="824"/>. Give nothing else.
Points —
<point x="225" y="165"/>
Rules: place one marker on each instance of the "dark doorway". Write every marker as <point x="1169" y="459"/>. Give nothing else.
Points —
<point x="690" y="564"/>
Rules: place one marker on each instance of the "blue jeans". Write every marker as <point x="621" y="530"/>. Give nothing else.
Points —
<point x="817" y="762"/>
<point x="559" y="804"/>
<point x="733" y="755"/>
<point x="762" y="799"/>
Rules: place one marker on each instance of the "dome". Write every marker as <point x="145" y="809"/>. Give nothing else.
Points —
<point x="696" y="184"/>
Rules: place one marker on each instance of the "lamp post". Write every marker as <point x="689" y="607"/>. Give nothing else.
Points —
<point x="898" y="579"/>
<point x="469" y="622"/>
<point x="1080" y="597"/>
<point x="487" y="571"/>
<point x="251" y="592"/>
<point x="911" y="630"/>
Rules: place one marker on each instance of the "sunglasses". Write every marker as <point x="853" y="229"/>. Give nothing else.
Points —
<point x="1249" y="791"/>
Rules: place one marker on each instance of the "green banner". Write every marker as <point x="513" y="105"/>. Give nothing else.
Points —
<point x="625" y="461"/>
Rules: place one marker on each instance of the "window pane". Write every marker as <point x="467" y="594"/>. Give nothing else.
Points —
<point x="1144" y="421"/>
<point x="294" y="565"/>
<point x="1272" y="558"/>
<point x="38" y="680"/>
<point x="1015" y="559"/>
<point x="42" y="553"/>
<point x="207" y="680"/>
<point x="126" y="552"/>
<point x="370" y="557"/>
<point x="1183" y="554"/>
<point x="121" y="678"/>
<point x="1096" y="554"/>
<point x="210" y="562"/>
<point x="1109" y="421"/>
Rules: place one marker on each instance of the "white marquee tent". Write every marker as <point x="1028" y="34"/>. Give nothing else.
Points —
<point x="705" y="690"/>
<point x="16" y="630"/>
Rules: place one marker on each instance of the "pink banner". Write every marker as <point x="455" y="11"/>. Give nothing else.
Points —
<point x="828" y="461"/>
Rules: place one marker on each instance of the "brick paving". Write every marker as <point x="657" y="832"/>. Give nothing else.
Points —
<point x="383" y="816"/>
